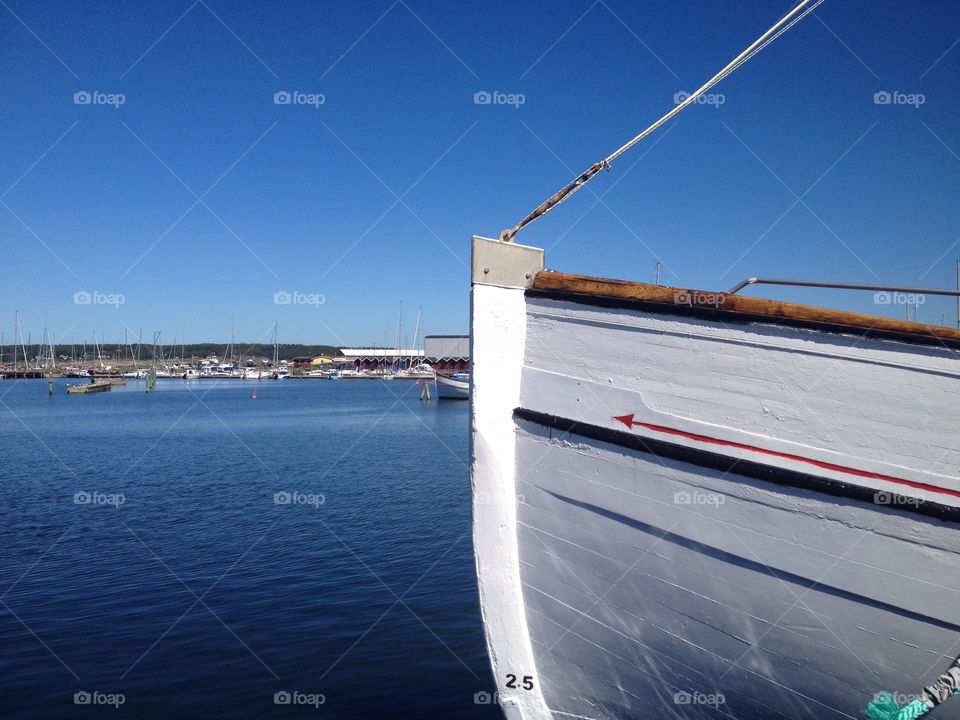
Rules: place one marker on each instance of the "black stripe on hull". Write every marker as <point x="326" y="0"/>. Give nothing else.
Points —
<point x="738" y="466"/>
<point x="709" y="312"/>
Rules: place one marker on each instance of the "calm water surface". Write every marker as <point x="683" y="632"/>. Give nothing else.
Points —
<point x="197" y="593"/>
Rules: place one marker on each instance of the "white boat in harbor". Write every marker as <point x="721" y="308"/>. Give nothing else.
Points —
<point x="422" y="371"/>
<point x="356" y="375"/>
<point x="729" y="508"/>
<point x="454" y="387"/>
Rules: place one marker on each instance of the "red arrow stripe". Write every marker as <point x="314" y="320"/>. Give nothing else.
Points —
<point x="630" y="422"/>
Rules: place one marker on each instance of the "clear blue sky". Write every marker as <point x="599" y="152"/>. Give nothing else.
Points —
<point x="303" y="198"/>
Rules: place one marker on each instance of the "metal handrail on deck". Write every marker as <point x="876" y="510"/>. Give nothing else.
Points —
<point x="843" y="286"/>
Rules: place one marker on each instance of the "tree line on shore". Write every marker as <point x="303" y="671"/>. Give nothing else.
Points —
<point x="118" y="352"/>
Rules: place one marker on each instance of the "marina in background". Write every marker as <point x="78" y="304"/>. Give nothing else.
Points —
<point x="441" y="355"/>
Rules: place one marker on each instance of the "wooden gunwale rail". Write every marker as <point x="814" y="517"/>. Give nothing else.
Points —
<point x="736" y="308"/>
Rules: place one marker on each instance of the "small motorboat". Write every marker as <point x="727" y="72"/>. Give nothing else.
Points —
<point x="454" y="387"/>
<point x="87" y="388"/>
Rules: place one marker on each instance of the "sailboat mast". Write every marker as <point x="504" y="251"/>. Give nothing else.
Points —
<point x="396" y="352"/>
<point x="276" y="346"/>
<point x="416" y="332"/>
<point x="23" y="347"/>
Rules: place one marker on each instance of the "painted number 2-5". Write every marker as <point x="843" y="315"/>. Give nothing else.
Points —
<point x="526" y="682"/>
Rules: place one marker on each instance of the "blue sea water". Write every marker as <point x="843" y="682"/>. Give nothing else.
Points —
<point x="198" y="551"/>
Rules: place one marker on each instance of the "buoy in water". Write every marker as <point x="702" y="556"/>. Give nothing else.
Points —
<point x="254" y="395"/>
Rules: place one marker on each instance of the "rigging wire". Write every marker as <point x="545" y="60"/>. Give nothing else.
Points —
<point x="804" y="8"/>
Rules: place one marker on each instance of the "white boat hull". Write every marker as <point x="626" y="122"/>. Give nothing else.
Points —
<point x="683" y="517"/>
<point x="661" y="581"/>
<point x="450" y="389"/>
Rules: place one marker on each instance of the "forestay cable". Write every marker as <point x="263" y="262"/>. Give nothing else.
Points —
<point x="785" y="23"/>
